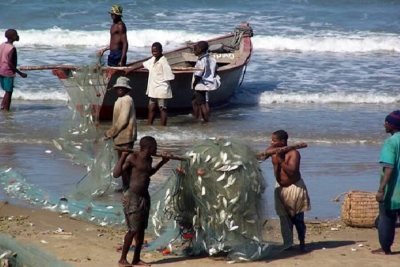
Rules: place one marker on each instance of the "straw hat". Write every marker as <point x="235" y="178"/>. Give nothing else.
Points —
<point x="116" y="10"/>
<point x="122" y="82"/>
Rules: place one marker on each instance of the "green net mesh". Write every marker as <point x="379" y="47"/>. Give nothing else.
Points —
<point x="216" y="200"/>
<point x="17" y="255"/>
<point x="212" y="203"/>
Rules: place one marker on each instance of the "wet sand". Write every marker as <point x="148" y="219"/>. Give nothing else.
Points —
<point x="85" y="244"/>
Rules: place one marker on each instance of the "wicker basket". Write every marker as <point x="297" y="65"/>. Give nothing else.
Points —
<point x="360" y="209"/>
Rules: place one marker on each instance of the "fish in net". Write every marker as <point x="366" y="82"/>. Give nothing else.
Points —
<point x="215" y="199"/>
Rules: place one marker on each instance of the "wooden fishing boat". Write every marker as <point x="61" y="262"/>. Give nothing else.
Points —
<point x="90" y="90"/>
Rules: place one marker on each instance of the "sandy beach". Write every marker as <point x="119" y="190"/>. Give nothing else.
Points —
<point x="86" y="244"/>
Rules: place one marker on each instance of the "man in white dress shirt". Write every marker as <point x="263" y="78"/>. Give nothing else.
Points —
<point x="158" y="85"/>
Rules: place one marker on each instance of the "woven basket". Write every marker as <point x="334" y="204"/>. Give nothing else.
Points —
<point x="360" y="209"/>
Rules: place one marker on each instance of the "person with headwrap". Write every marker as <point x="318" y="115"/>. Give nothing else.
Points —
<point x="388" y="194"/>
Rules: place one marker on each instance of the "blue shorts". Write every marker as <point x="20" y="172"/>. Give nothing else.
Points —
<point x="114" y="58"/>
<point x="7" y="83"/>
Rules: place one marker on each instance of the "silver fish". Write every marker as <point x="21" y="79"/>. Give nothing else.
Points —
<point x="207" y="158"/>
<point x="222" y="177"/>
<point x="227" y="144"/>
<point x="234" y="200"/>
<point x="217" y="164"/>
<point x="225" y="202"/>
<point x="203" y="191"/>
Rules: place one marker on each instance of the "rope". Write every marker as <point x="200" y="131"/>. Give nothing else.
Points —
<point x="337" y="199"/>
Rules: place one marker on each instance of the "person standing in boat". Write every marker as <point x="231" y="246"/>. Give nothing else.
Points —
<point x="8" y="67"/>
<point x="123" y="129"/>
<point x="158" y="85"/>
<point x="204" y="80"/>
<point x="118" y="41"/>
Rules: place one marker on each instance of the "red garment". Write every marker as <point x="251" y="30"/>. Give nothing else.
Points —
<point x="5" y="54"/>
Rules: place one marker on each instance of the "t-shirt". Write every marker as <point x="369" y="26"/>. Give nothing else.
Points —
<point x="390" y="157"/>
<point x="160" y="73"/>
<point x="5" y="54"/>
<point x="208" y="73"/>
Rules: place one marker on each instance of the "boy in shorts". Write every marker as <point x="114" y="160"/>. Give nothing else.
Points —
<point x="204" y="80"/>
<point x="8" y="67"/>
<point x="136" y="198"/>
<point x="158" y="85"/>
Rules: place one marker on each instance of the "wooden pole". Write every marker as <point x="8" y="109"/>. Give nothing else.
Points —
<point x="263" y="155"/>
<point x="260" y="155"/>
<point x="72" y="67"/>
<point x="48" y="67"/>
<point x="156" y="155"/>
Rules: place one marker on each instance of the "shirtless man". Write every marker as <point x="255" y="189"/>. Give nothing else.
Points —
<point x="291" y="196"/>
<point x="118" y="42"/>
<point x="136" y="198"/>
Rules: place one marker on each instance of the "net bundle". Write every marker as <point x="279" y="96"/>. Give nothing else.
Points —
<point x="82" y="137"/>
<point x="215" y="200"/>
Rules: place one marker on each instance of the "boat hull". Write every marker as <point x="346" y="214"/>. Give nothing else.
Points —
<point x="92" y="91"/>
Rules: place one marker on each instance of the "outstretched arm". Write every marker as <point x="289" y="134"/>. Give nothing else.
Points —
<point x="11" y="64"/>
<point x="101" y="52"/>
<point x="159" y="165"/>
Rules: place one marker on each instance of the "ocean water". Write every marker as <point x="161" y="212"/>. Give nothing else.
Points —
<point x="325" y="71"/>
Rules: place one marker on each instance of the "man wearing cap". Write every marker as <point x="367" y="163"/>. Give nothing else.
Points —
<point x="123" y="129"/>
<point x="118" y="41"/>
<point x="388" y="194"/>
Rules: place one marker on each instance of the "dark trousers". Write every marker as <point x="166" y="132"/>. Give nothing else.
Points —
<point x="287" y="228"/>
<point x="387" y="226"/>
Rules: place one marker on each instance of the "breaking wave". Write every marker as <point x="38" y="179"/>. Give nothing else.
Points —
<point x="339" y="42"/>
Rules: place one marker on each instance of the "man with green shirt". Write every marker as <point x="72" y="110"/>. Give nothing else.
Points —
<point x="388" y="194"/>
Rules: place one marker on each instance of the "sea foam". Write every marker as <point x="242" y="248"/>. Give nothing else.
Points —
<point x="338" y="42"/>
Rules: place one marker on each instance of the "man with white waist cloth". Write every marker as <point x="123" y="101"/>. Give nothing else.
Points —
<point x="291" y="196"/>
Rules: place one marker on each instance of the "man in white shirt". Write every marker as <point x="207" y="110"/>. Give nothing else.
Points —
<point x="158" y="85"/>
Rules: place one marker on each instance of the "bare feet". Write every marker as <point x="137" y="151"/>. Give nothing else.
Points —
<point x="124" y="263"/>
<point x="142" y="263"/>
<point x="381" y="252"/>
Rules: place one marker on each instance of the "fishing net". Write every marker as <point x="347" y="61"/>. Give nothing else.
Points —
<point x="212" y="203"/>
<point x="17" y="255"/>
<point x="82" y="137"/>
<point x="216" y="201"/>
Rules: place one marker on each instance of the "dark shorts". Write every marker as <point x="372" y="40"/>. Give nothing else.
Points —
<point x="200" y="97"/>
<point x="114" y="58"/>
<point x="7" y="83"/>
<point x="136" y="209"/>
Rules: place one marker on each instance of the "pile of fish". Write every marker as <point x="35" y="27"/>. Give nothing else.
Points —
<point x="218" y="193"/>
